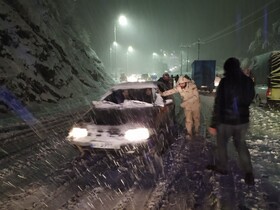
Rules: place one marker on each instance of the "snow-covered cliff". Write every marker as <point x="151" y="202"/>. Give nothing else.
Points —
<point x="42" y="57"/>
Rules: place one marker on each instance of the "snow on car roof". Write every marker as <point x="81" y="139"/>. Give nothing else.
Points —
<point x="135" y="85"/>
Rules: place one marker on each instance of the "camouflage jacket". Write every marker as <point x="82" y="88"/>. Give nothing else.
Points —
<point x="189" y="96"/>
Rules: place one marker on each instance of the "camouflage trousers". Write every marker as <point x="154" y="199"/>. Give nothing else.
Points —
<point x="192" y="120"/>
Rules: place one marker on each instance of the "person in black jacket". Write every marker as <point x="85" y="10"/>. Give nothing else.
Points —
<point x="230" y="117"/>
<point x="167" y="80"/>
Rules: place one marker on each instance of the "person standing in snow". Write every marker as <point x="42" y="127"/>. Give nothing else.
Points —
<point x="167" y="80"/>
<point x="190" y="103"/>
<point x="230" y="117"/>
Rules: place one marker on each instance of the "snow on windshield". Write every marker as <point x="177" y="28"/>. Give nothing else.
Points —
<point x="126" y="104"/>
<point x="131" y="95"/>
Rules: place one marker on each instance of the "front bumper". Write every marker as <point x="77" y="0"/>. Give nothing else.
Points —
<point x="136" y="149"/>
<point x="111" y="137"/>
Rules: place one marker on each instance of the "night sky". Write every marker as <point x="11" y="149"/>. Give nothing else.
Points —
<point x="166" y="24"/>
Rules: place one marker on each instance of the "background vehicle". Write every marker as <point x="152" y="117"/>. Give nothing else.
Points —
<point x="266" y="72"/>
<point x="144" y="78"/>
<point x="203" y="73"/>
<point x="123" y="77"/>
<point x="141" y="122"/>
<point x="261" y="94"/>
<point x="154" y="77"/>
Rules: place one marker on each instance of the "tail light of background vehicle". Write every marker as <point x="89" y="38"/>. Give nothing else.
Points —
<point x="268" y="92"/>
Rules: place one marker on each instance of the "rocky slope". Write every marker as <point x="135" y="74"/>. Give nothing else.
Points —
<point x="42" y="60"/>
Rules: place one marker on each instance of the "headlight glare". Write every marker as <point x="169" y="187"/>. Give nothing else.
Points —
<point x="78" y="133"/>
<point x="138" y="134"/>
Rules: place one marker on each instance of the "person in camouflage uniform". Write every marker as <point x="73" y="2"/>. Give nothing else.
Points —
<point x="190" y="103"/>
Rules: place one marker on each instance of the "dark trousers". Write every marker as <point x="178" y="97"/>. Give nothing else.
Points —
<point x="238" y="133"/>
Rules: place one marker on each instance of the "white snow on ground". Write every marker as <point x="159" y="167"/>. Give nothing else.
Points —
<point x="263" y="147"/>
<point x="264" y="141"/>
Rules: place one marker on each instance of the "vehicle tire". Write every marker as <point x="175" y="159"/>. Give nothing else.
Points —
<point x="271" y="105"/>
<point x="257" y="100"/>
<point x="161" y="144"/>
<point x="154" y="164"/>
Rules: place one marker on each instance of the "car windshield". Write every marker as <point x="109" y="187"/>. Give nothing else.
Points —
<point x="144" y="95"/>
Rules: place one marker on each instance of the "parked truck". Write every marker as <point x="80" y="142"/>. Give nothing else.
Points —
<point x="203" y="74"/>
<point x="266" y="74"/>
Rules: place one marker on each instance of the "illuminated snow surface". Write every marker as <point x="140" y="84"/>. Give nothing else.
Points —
<point x="53" y="176"/>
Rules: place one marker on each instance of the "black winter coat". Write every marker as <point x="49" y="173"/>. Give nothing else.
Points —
<point x="233" y="98"/>
<point x="168" y="83"/>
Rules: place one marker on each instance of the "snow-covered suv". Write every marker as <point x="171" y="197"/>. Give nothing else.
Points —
<point x="139" y="120"/>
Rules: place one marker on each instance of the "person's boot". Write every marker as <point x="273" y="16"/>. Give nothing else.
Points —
<point x="196" y="132"/>
<point x="217" y="169"/>
<point x="249" y="179"/>
<point x="187" y="135"/>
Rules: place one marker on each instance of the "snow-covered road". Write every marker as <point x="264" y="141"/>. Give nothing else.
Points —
<point x="52" y="177"/>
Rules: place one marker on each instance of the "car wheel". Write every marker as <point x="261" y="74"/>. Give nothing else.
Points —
<point x="161" y="143"/>
<point x="154" y="164"/>
<point x="271" y="105"/>
<point x="257" y="100"/>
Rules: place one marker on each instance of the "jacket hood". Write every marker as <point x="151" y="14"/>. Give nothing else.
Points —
<point x="182" y="79"/>
<point x="232" y="67"/>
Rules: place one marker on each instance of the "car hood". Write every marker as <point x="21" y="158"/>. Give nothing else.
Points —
<point x="142" y="113"/>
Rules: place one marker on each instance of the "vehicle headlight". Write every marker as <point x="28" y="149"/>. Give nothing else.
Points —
<point x="76" y="133"/>
<point x="138" y="134"/>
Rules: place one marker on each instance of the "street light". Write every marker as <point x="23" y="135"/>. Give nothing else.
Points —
<point x="129" y="50"/>
<point x="154" y="54"/>
<point x="122" y="21"/>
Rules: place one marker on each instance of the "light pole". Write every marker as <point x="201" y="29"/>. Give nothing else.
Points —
<point x="110" y="58"/>
<point x="188" y="58"/>
<point x="181" y="55"/>
<point x="181" y="72"/>
<point x="122" y="21"/>
<point x="129" y="50"/>
<point x="187" y="47"/>
<point x="113" y="58"/>
<point x="155" y="61"/>
<point x="198" y="48"/>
